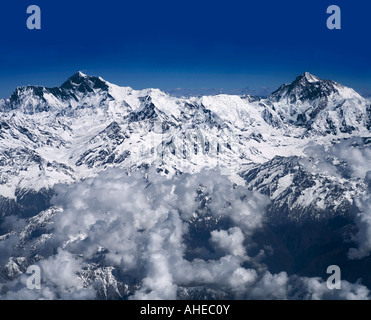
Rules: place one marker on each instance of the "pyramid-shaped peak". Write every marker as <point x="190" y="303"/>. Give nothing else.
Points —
<point x="78" y="77"/>
<point x="306" y="87"/>
<point x="308" y="77"/>
<point x="84" y="83"/>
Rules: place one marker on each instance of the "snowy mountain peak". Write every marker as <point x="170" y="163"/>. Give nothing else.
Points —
<point x="309" y="77"/>
<point x="306" y="87"/>
<point x="79" y="89"/>
<point x="81" y="74"/>
<point x="323" y="105"/>
<point x="84" y="83"/>
<point x="78" y="78"/>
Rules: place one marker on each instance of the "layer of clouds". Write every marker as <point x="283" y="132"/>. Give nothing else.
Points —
<point x="138" y="224"/>
<point x="229" y="241"/>
<point x="363" y="221"/>
<point x="349" y="159"/>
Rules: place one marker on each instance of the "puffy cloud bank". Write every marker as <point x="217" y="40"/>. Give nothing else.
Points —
<point x="140" y="225"/>
<point x="363" y="220"/>
<point x="349" y="160"/>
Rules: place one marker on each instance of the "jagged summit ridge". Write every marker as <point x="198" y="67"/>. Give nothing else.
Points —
<point x="76" y="90"/>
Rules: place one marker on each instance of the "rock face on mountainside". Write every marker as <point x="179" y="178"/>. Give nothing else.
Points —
<point x="305" y="148"/>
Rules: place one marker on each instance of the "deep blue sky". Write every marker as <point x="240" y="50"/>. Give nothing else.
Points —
<point x="186" y="43"/>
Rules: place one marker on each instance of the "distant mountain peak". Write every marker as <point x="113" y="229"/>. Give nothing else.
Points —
<point x="78" y="78"/>
<point x="84" y="83"/>
<point x="325" y="105"/>
<point x="79" y="75"/>
<point x="306" y="87"/>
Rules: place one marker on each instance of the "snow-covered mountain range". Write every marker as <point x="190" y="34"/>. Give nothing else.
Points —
<point x="66" y="134"/>
<point x="305" y="148"/>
